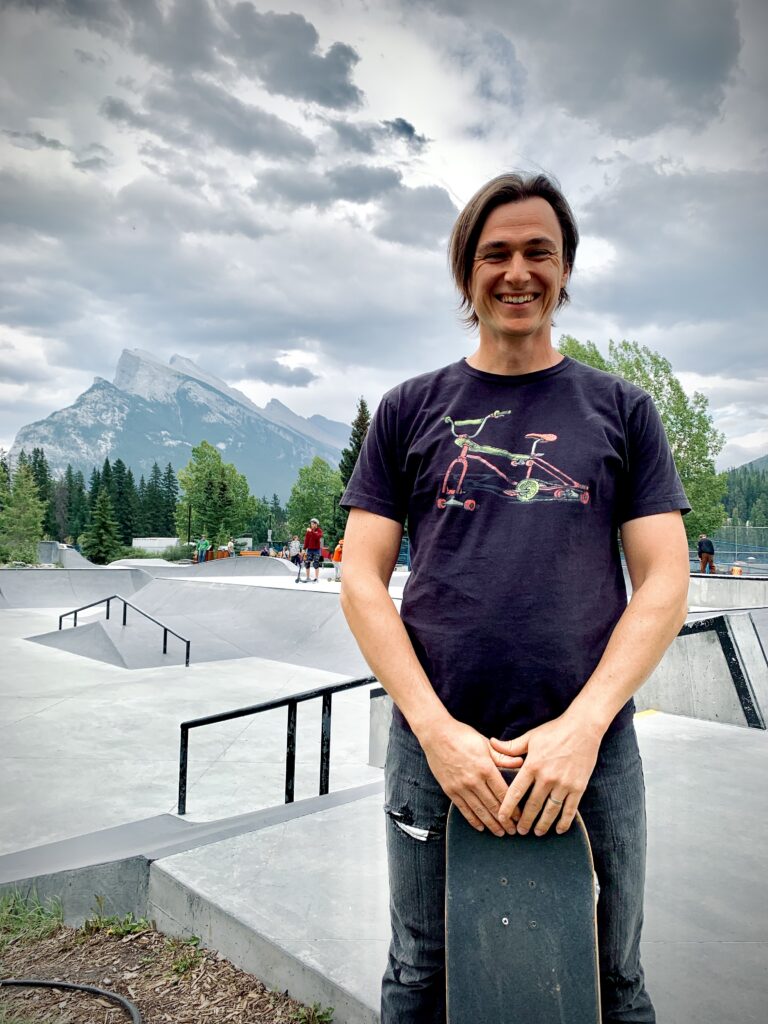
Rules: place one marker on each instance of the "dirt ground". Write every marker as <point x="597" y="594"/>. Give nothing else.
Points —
<point x="169" y="980"/>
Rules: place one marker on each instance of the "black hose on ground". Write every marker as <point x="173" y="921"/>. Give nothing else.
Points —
<point x="128" y="1006"/>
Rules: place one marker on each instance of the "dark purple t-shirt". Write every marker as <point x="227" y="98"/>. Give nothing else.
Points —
<point x="513" y="488"/>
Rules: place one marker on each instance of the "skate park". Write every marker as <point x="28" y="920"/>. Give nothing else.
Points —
<point x="296" y="892"/>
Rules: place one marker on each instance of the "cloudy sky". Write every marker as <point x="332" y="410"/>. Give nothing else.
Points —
<point x="267" y="188"/>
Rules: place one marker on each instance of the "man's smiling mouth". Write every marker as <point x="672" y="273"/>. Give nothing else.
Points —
<point x="516" y="300"/>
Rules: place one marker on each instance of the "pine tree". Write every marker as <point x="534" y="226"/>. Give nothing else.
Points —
<point x="5" y="479"/>
<point x="94" y="486"/>
<point x="107" y="482"/>
<point x="350" y="454"/>
<point x="21" y="520"/>
<point x="79" y="514"/>
<point x="132" y="495"/>
<point x="44" y="483"/>
<point x="154" y="503"/>
<point x="170" y="491"/>
<point x="141" y="528"/>
<point x="101" y="541"/>
<point x="122" y="502"/>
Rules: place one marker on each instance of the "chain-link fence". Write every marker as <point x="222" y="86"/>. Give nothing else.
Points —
<point x="745" y="547"/>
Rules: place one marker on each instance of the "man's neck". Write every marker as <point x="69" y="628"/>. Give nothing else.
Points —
<point x="513" y="356"/>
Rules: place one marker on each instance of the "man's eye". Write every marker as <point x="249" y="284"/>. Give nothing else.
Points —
<point x="538" y="253"/>
<point x="494" y="256"/>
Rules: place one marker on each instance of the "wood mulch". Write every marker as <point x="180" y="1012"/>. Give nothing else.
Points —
<point x="170" y="981"/>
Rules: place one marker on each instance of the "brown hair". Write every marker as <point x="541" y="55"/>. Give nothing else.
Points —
<point x="506" y="188"/>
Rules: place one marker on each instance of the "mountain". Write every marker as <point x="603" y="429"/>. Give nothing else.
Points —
<point x="157" y="412"/>
<point x="760" y="463"/>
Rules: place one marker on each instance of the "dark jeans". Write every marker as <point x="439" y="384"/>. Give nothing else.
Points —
<point x="613" y="809"/>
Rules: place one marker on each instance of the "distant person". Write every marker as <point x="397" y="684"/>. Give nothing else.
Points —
<point x="294" y="549"/>
<point x="265" y="552"/>
<point x="231" y="547"/>
<point x="313" y="544"/>
<point x="203" y="546"/>
<point x="706" y="554"/>
<point x="337" y="556"/>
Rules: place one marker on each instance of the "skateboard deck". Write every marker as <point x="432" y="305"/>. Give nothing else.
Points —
<point x="521" y="929"/>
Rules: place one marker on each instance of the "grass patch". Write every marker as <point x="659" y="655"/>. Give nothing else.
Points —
<point x="25" y="919"/>
<point x="314" y="1014"/>
<point x="188" y="954"/>
<point x="113" y="924"/>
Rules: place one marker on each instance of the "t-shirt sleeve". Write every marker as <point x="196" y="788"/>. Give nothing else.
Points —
<point x="651" y="484"/>
<point x="377" y="482"/>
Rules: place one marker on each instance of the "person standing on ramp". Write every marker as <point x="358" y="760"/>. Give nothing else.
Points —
<point x="531" y="666"/>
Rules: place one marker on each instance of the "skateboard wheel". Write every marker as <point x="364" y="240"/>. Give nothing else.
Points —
<point x="584" y="497"/>
<point x="470" y="504"/>
<point x="441" y="502"/>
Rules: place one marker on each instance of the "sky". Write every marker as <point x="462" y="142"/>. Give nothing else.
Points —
<point x="268" y="189"/>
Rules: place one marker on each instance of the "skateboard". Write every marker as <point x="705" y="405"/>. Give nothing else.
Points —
<point x="521" y="927"/>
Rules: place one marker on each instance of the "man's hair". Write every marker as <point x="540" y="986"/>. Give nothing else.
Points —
<point x="506" y="188"/>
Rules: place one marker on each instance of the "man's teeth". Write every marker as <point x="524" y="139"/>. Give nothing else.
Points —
<point x="517" y="299"/>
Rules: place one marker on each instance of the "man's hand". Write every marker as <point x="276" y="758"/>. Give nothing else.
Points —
<point x="560" y="757"/>
<point x="462" y="761"/>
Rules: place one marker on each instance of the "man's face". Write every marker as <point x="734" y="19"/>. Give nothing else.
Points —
<point x="518" y="270"/>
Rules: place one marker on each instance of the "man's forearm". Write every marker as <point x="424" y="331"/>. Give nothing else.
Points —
<point x="387" y="648"/>
<point x="651" y="621"/>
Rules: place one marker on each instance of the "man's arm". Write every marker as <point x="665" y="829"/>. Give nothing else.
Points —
<point x="459" y="757"/>
<point x="561" y="754"/>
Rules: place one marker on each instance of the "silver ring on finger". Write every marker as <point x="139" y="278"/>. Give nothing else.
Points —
<point x="557" y="803"/>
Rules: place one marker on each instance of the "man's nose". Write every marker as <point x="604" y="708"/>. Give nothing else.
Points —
<point x="517" y="269"/>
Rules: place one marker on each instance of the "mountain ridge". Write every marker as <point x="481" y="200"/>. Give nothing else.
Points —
<point x="157" y="412"/>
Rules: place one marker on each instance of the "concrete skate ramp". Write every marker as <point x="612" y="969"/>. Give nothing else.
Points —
<point x="295" y="626"/>
<point x="71" y="559"/>
<point x="715" y="670"/>
<point x="248" y="566"/>
<point x="721" y="592"/>
<point x="66" y="588"/>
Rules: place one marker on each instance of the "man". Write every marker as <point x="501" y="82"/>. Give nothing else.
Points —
<point x="706" y="554"/>
<point x="313" y="544"/>
<point x="532" y="664"/>
<point x="203" y="546"/>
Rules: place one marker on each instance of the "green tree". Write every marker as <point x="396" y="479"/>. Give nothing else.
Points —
<point x="349" y="455"/>
<point x="5" y="479"/>
<point x="217" y="494"/>
<point x="101" y="541"/>
<point x="44" y="483"/>
<point x="314" y="494"/>
<point x="260" y="520"/>
<point x="94" y="486"/>
<point x="170" y="492"/>
<point x="21" y="519"/>
<point x="759" y="513"/>
<point x="154" y="504"/>
<point x="124" y="501"/>
<point x="694" y="441"/>
<point x="79" y="514"/>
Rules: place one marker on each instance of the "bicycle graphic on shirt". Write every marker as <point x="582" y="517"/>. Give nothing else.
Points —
<point x="542" y="481"/>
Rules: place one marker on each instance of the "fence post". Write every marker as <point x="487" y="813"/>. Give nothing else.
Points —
<point x="165" y="640"/>
<point x="290" y="753"/>
<point x="109" y="602"/>
<point x="125" y="611"/>
<point x="325" y="745"/>
<point x="183" y="755"/>
<point x="186" y="663"/>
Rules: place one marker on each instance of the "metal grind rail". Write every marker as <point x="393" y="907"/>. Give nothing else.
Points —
<point x="126" y="605"/>
<point x="292" y="703"/>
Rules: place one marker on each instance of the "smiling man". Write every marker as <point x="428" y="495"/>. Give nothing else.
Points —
<point x="517" y="470"/>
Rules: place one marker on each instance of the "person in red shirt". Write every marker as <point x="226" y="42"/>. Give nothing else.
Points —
<point x="313" y="543"/>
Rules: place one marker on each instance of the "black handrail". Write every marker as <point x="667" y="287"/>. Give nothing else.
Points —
<point x="292" y="703"/>
<point x="126" y="605"/>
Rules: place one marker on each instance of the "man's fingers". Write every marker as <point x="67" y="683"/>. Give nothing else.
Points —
<point x="570" y="807"/>
<point x="479" y="816"/>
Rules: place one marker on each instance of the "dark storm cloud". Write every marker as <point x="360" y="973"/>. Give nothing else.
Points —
<point x="183" y="111"/>
<point x="688" y="251"/>
<point x="271" y="372"/>
<point x="420" y="217"/>
<point x="366" y="137"/>
<point x="186" y="36"/>
<point x="403" y="129"/>
<point x="281" y="50"/>
<point x="354" y="183"/>
<point x="14" y="370"/>
<point x="86" y="57"/>
<point x="33" y="140"/>
<point x="91" y="163"/>
<point x="630" y="67"/>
